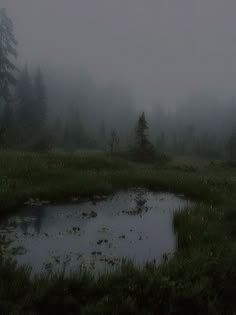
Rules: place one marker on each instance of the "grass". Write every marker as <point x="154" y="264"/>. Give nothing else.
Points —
<point x="53" y="177"/>
<point x="199" y="279"/>
<point x="59" y="177"/>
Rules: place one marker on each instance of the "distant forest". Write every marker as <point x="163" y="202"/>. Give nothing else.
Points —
<point x="42" y="110"/>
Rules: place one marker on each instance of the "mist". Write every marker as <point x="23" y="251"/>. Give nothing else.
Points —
<point x="117" y="157"/>
<point x="162" y="50"/>
<point x="105" y="62"/>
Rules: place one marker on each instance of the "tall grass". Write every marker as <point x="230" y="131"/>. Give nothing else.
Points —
<point x="199" y="279"/>
<point x="59" y="177"/>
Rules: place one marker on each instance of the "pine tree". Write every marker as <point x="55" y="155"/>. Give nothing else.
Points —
<point x="7" y="126"/>
<point x="232" y="144"/>
<point x="102" y="136"/>
<point x="7" y="116"/>
<point x="7" y="74"/>
<point x="25" y="102"/>
<point x="113" y="141"/>
<point x="75" y="135"/>
<point x="40" y="100"/>
<point x="144" y="150"/>
<point x="161" y="142"/>
<point x="7" y="52"/>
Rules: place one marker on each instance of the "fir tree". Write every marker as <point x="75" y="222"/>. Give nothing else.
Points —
<point x="7" y="73"/>
<point x="113" y="141"/>
<point x="25" y="101"/>
<point x="232" y="144"/>
<point x="144" y="150"/>
<point x="40" y="100"/>
<point x="102" y="134"/>
<point x="7" y="52"/>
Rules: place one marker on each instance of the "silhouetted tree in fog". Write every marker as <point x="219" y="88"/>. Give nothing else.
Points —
<point x="113" y="141"/>
<point x="7" y="116"/>
<point x="40" y="100"/>
<point x="25" y="102"/>
<point x="144" y="150"/>
<point x="75" y="135"/>
<point x="8" y="70"/>
<point x="102" y="136"/>
<point x="7" y="51"/>
<point x="161" y="142"/>
<point x="7" y="134"/>
<point x="232" y="144"/>
<point x="31" y="107"/>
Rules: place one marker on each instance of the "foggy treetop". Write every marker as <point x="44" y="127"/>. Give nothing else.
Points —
<point x="161" y="49"/>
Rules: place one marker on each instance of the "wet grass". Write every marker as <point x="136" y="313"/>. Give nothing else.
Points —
<point x="55" y="177"/>
<point x="199" y="279"/>
<point x="202" y="282"/>
<point x="60" y="177"/>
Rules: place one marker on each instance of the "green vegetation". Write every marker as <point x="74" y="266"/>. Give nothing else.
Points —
<point x="60" y="177"/>
<point x="199" y="279"/>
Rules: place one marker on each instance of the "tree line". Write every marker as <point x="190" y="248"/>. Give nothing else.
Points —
<point x="23" y="97"/>
<point x="26" y="121"/>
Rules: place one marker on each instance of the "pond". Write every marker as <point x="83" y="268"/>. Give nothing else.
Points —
<point x="95" y="234"/>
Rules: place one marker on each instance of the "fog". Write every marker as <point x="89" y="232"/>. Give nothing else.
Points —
<point x="104" y="62"/>
<point x="163" y="50"/>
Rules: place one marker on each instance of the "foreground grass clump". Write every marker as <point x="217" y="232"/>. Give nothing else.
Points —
<point x="200" y="225"/>
<point x="199" y="279"/>
<point x="200" y="283"/>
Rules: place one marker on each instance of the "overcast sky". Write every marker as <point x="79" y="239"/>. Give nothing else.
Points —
<point x="164" y="49"/>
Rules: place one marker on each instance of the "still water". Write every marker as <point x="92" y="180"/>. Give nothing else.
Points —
<point x="94" y="234"/>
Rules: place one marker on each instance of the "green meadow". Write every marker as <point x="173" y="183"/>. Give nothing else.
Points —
<point x="200" y="278"/>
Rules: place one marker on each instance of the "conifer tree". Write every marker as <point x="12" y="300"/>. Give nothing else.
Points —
<point x="232" y="144"/>
<point x="113" y="141"/>
<point x="24" y="108"/>
<point x="40" y="100"/>
<point x="7" y="52"/>
<point x="8" y="70"/>
<point x="144" y="150"/>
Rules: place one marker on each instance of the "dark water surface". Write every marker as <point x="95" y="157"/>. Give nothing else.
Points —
<point x="133" y="224"/>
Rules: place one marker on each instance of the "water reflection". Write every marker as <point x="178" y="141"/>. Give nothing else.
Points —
<point x="133" y="224"/>
<point x="38" y="220"/>
<point x="141" y="201"/>
<point x="30" y="221"/>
